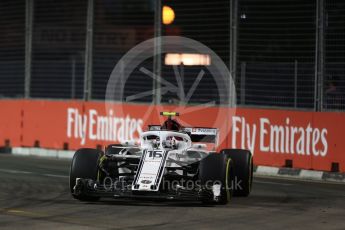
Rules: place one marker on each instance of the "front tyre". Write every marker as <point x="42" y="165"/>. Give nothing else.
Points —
<point x="243" y="167"/>
<point x="217" y="169"/>
<point x="84" y="165"/>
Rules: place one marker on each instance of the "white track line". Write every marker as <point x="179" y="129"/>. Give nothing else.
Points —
<point x="55" y="175"/>
<point x="15" y="171"/>
<point x="26" y="172"/>
<point x="274" y="183"/>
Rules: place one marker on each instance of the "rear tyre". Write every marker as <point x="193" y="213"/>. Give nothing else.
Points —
<point x="243" y="168"/>
<point x="215" y="169"/>
<point x="84" y="165"/>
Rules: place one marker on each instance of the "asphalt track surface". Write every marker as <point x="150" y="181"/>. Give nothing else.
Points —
<point x="34" y="194"/>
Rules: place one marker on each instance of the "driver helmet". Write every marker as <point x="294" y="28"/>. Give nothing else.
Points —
<point x="171" y="124"/>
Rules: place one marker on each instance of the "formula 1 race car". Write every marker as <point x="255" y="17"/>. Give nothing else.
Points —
<point x="171" y="162"/>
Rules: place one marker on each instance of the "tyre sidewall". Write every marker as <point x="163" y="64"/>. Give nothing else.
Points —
<point x="216" y="168"/>
<point x="84" y="165"/>
<point x="243" y="170"/>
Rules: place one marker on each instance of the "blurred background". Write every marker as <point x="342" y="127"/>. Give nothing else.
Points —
<point x="287" y="58"/>
<point x="281" y="53"/>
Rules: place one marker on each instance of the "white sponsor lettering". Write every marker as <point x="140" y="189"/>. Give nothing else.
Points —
<point x="247" y="141"/>
<point x="93" y="126"/>
<point x="276" y="138"/>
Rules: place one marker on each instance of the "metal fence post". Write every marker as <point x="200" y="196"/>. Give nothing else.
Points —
<point x="316" y="63"/>
<point x="73" y="72"/>
<point x="157" y="58"/>
<point x="88" y="51"/>
<point x="295" y="83"/>
<point x="321" y="71"/>
<point x="233" y="38"/>
<point x="243" y="82"/>
<point x="28" y="45"/>
<point x="319" y="56"/>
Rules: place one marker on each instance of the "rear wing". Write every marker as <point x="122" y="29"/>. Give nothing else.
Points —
<point x="202" y="134"/>
<point x="197" y="134"/>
